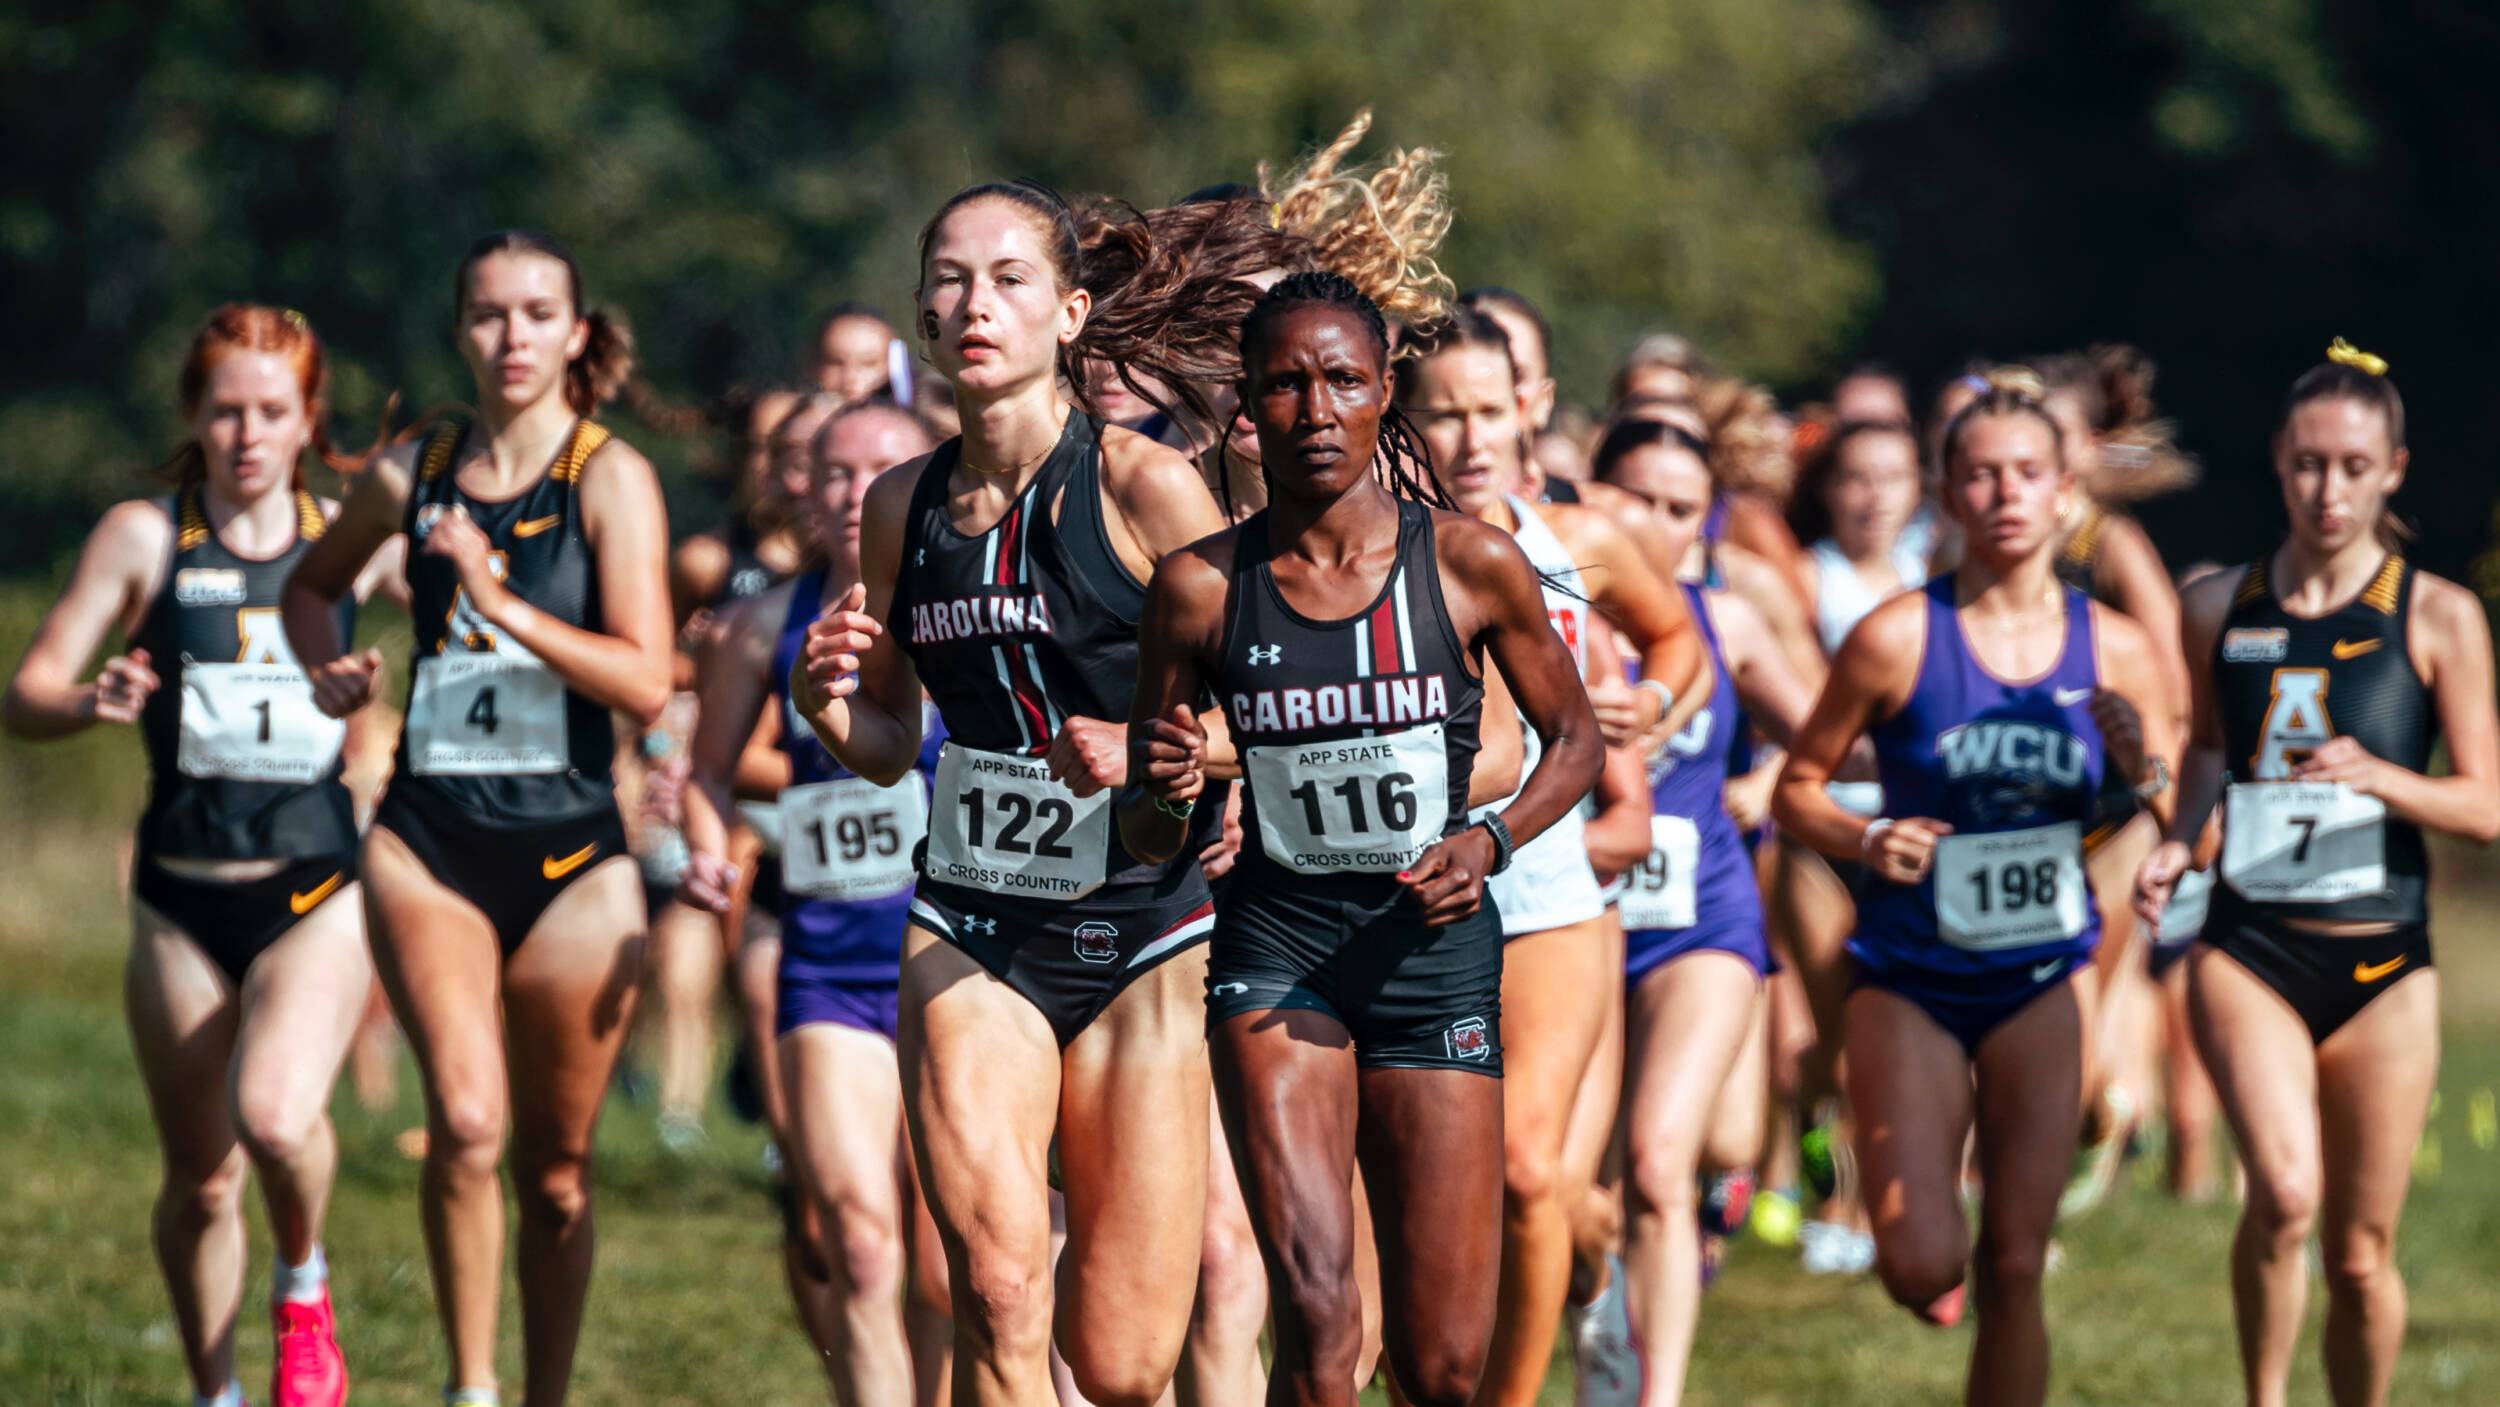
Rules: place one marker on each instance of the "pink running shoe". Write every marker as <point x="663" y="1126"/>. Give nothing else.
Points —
<point x="310" y="1372"/>
<point x="1947" y="1310"/>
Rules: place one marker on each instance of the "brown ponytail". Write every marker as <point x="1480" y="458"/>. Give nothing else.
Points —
<point x="2140" y="456"/>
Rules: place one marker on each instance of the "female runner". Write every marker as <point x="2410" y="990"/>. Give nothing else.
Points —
<point x="2122" y="454"/>
<point x="1995" y="698"/>
<point x="1355" y="712"/>
<point x="846" y="849"/>
<point x="1559" y="974"/>
<point x="1051" y="981"/>
<point x="497" y="882"/>
<point x="1695" y="949"/>
<point x="247" y="970"/>
<point x="2324" y="674"/>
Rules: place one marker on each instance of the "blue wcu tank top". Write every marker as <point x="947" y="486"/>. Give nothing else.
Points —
<point x="860" y="842"/>
<point x="1688" y="784"/>
<point x="2014" y="768"/>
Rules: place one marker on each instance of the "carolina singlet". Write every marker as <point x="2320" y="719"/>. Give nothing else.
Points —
<point x="846" y="843"/>
<point x="1358" y="736"/>
<point x="241" y="765"/>
<point x="2013" y="768"/>
<point x="2284" y="686"/>
<point x="490" y="727"/>
<point x="1549" y="884"/>
<point x="1014" y="631"/>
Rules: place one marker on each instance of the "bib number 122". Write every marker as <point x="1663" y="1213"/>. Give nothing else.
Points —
<point x="1019" y="813"/>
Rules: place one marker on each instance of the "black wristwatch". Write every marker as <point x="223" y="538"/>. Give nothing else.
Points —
<point x="1503" y="846"/>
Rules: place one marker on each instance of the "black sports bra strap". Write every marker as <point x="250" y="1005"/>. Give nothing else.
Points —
<point x="1087" y="536"/>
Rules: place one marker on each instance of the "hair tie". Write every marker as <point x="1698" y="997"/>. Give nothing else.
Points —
<point x="1974" y="383"/>
<point x="296" y="320"/>
<point x="2343" y="353"/>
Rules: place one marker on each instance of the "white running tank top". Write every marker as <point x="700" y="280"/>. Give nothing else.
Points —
<point x="1549" y="883"/>
<point x="1841" y="599"/>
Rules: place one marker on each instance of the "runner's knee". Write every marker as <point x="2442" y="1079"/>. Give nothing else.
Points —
<point x="2283" y="1204"/>
<point x="1232" y="1280"/>
<point x="468" y="1133"/>
<point x="2357" y="1259"/>
<point x="1004" y="1302"/>
<point x="1920" y="1267"/>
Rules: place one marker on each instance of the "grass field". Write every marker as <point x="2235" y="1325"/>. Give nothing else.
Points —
<point x="688" y="1305"/>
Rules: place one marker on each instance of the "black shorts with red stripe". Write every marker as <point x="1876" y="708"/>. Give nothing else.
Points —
<point x="1071" y="960"/>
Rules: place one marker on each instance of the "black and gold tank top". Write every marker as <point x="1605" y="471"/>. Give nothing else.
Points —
<point x="242" y="766"/>
<point x="490" y="727"/>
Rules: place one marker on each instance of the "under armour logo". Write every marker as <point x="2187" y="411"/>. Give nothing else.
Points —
<point x="1232" y="989"/>
<point x="1267" y="654"/>
<point x="980" y="925"/>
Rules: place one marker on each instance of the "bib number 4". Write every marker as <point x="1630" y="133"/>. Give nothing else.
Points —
<point x="471" y="715"/>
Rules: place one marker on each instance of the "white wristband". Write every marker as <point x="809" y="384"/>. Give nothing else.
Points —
<point x="1666" y="696"/>
<point x="1867" y="838"/>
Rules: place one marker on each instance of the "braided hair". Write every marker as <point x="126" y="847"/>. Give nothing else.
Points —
<point x="1402" y="464"/>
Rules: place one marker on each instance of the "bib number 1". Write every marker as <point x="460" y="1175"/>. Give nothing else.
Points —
<point x="254" y="723"/>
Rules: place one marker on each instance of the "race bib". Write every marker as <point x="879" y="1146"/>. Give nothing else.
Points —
<point x="2303" y="842"/>
<point x="1659" y="892"/>
<point x="1358" y="806"/>
<point x="254" y="723"/>
<point x="471" y="715"/>
<point x="1001" y="823"/>
<point x="2184" y="917"/>
<point x="2011" y="889"/>
<point x="851" y="839"/>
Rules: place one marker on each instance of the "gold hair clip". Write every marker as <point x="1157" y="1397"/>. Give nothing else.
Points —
<point x="2346" y="354"/>
<point x="296" y="320"/>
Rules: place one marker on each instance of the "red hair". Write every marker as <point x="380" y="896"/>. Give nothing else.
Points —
<point x="257" y="327"/>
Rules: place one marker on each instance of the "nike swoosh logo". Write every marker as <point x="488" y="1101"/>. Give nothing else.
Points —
<point x="554" y="868"/>
<point x="535" y="526"/>
<point x="2364" y="972"/>
<point x="2068" y="698"/>
<point x="2048" y="969"/>
<point x="2353" y="649"/>
<point x="303" y="903"/>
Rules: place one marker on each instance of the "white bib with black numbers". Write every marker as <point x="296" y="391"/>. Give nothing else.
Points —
<point x="486" y="715"/>
<point x="1002" y="823"/>
<point x="2303" y="842"/>
<point x="1659" y="892"/>
<point x="1355" y="806"/>
<point x="254" y="723"/>
<point x="2011" y="889"/>
<point x="850" y="839"/>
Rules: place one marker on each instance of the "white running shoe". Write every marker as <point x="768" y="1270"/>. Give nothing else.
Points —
<point x="1606" y="1360"/>
<point x="1828" y="1248"/>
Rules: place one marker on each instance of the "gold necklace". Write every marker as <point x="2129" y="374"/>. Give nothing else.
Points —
<point x="1014" y="469"/>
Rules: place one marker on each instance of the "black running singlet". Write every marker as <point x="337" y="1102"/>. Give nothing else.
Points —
<point x="490" y="727"/>
<point x="242" y="766"/>
<point x="1013" y="632"/>
<point x="2285" y="685"/>
<point x="749" y="575"/>
<point x="1358" y="737"/>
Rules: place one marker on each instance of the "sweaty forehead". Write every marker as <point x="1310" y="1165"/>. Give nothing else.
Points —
<point x="873" y="439"/>
<point x="990" y="231"/>
<point x="245" y="373"/>
<point x="518" y="275"/>
<point x="1322" y="329"/>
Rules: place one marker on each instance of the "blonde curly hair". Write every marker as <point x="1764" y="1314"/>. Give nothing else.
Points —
<point x="1379" y="227"/>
